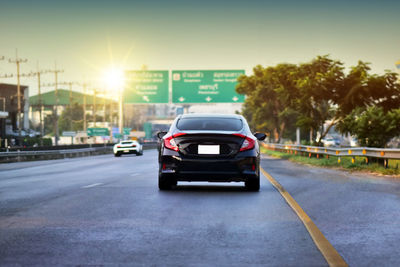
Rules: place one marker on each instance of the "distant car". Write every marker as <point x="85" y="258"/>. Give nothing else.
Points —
<point x="210" y="148"/>
<point x="331" y="142"/>
<point x="353" y="142"/>
<point x="128" y="147"/>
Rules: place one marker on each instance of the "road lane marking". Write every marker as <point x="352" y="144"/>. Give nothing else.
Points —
<point x="134" y="174"/>
<point x="328" y="251"/>
<point x="91" y="185"/>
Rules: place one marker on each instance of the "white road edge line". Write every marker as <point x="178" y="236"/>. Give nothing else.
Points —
<point x="91" y="185"/>
<point x="134" y="174"/>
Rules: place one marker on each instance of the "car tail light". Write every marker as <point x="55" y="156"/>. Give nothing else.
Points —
<point x="133" y="145"/>
<point x="118" y="146"/>
<point x="247" y="144"/>
<point x="170" y="143"/>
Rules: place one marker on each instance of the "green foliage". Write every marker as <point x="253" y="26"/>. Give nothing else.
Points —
<point x="374" y="126"/>
<point x="71" y="119"/>
<point x="35" y="141"/>
<point x="286" y="96"/>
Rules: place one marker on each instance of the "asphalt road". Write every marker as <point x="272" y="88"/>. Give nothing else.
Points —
<point x="103" y="210"/>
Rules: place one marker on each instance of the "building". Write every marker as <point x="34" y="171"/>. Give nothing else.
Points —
<point x="9" y="109"/>
<point x="65" y="98"/>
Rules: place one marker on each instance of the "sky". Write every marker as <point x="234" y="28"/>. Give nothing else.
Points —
<point x="85" y="38"/>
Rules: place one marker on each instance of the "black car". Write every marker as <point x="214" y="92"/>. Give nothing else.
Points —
<point x="213" y="148"/>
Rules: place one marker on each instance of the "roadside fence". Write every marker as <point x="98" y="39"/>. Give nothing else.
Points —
<point x="15" y="156"/>
<point x="384" y="154"/>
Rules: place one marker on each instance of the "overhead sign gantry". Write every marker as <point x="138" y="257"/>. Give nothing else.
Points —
<point x="146" y="87"/>
<point x="205" y="86"/>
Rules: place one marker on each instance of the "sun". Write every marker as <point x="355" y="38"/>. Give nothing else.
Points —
<point x="114" y="78"/>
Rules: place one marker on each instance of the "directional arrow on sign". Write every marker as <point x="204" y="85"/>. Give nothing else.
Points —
<point x="146" y="98"/>
<point x="181" y="99"/>
<point x="208" y="99"/>
<point x="235" y="98"/>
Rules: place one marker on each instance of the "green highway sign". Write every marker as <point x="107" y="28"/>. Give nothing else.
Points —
<point x="69" y="133"/>
<point x="98" y="132"/>
<point x="205" y="86"/>
<point x="146" y="87"/>
<point x="127" y="131"/>
<point x="117" y="135"/>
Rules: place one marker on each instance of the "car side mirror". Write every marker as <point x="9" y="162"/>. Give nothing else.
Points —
<point x="160" y="135"/>
<point x="260" y="136"/>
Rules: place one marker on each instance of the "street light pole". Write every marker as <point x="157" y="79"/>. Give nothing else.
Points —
<point x="94" y="107"/>
<point x="120" y="113"/>
<point x="84" y="107"/>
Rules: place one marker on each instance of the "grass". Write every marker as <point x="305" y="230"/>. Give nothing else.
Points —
<point x="332" y="162"/>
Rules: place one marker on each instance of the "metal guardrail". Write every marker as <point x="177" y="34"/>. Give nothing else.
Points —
<point x="13" y="156"/>
<point x="48" y="154"/>
<point x="367" y="152"/>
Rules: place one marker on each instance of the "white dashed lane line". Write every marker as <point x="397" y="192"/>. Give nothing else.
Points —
<point x="91" y="185"/>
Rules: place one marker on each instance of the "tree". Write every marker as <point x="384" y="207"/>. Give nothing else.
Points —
<point x="308" y="95"/>
<point x="317" y="83"/>
<point x="373" y="127"/>
<point x="71" y="118"/>
<point x="268" y="96"/>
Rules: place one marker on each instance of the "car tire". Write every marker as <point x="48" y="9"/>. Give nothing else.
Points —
<point x="117" y="154"/>
<point x="140" y="153"/>
<point x="253" y="184"/>
<point x="166" y="182"/>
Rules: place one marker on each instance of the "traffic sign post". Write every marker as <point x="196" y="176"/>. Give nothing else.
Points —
<point x="72" y="134"/>
<point x="98" y="132"/>
<point x="205" y="86"/>
<point x="127" y="131"/>
<point x="69" y="133"/>
<point x="146" y="87"/>
<point x="118" y="135"/>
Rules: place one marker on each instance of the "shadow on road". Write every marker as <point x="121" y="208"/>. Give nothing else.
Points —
<point x="208" y="188"/>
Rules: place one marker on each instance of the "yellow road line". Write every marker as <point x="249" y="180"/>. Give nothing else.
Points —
<point x="328" y="251"/>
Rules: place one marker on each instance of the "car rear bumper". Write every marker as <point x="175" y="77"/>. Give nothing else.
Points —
<point x="210" y="170"/>
<point x="127" y="150"/>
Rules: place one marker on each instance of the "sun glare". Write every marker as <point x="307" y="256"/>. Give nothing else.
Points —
<point x="114" y="78"/>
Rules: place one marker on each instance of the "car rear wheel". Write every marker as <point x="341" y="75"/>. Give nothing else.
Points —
<point x="117" y="154"/>
<point x="166" y="182"/>
<point x="253" y="184"/>
<point x="140" y="153"/>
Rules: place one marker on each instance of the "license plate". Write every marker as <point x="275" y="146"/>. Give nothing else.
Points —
<point x="208" y="149"/>
<point x="126" y="151"/>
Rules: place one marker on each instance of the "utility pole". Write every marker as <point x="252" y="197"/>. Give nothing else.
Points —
<point x="18" y="61"/>
<point x="111" y="120"/>
<point x="38" y="74"/>
<point x="70" y="105"/>
<point x="56" y="72"/>
<point x="84" y="85"/>
<point x="94" y="107"/>
<point x="104" y="108"/>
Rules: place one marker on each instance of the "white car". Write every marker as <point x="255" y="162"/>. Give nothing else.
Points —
<point x="128" y="147"/>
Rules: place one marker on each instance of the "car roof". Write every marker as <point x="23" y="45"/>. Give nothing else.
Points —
<point x="211" y="115"/>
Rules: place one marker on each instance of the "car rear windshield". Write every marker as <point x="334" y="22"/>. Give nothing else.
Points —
<point x="211" y="124"/>
<point x="126" y="142"/>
